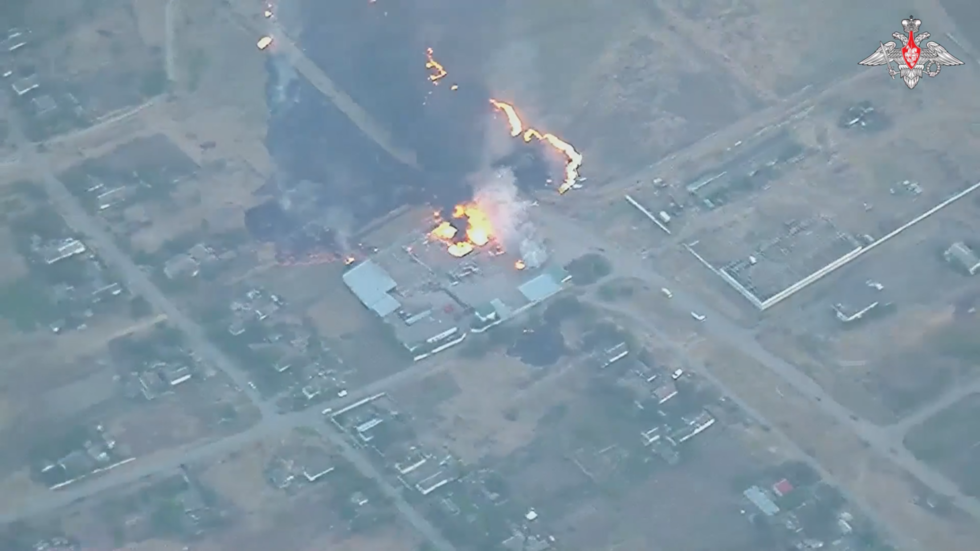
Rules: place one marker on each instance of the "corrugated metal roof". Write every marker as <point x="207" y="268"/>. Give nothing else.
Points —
<point x="540" y="288"/>
<point x="371" y="284"/>
<point x="387" y="304"/>
<point x="503" y="311"/>
<point x="964" y="255"/>
<point x="761" y="500"/>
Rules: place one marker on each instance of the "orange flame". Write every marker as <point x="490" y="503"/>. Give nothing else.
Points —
<point x="436" y="71"/>
<point x="444" y="231"/>
<point x="517" y="129"/>
<point x="479" y="230"/>
<point x="461" y="249"/>
<point x="516" y="126"/>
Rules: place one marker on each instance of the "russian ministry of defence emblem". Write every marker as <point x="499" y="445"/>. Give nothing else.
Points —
<point x="912" y="60"/>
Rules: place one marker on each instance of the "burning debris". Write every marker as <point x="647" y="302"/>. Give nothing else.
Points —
<point x="343" y="166"/>
<point x="469" y="229"/>
<point x="496" y="216"/>
<point x="574" y="158"/>
<point x="436" y="71"/>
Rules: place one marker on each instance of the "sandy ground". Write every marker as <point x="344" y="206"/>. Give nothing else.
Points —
<point x="493" y="409"/>
<point x="149" y="16"/>
<point x="241" y="479"/>
<point x="17" y="489"/>
<point x="156" y="426"/>
<point x="14" y="265"/>
<point x="337" y="314"/>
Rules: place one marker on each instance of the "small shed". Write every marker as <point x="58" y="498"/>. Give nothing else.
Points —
<point x="782" y="488"/>
<point x="962" y="255"/>
<point x="763" y="502"/>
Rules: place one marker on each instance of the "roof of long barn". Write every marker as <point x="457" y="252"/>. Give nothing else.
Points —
<point x="371" y="284"/>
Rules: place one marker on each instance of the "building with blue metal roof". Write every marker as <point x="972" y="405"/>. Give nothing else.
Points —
<point x="757" y="496"/>
<point x="433" y="300"/>
<point x="372" y="285"/>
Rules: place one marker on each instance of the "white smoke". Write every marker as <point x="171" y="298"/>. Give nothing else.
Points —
<point x="496" y="192"/>
<point x="341" y="221"/>
<point x="298" y="199"/>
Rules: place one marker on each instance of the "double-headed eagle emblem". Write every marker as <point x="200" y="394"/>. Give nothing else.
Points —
<point x="911" y="61"/>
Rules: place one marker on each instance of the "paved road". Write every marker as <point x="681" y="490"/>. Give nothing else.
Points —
<point x="629" y="264"/>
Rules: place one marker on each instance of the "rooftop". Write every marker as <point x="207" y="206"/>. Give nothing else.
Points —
<point x="855" y="299"/>
<point x="372" y="285"/>
<point x="759" y="498"/>
<point x="26" y="84"/>
<point x="960" y="253"/>
<point x="428" y="295"/>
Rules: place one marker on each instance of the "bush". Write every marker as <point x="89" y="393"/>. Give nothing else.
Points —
<point x="614" y="291"/>
<point x="589" y="268"/>
<point x="563" y="308"/>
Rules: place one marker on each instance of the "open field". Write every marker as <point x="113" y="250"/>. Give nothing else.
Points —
<point x="770" y="39"/>
<point x="485" y="408"/>
<point x="927" y="325"/>
<point x="628" y="90"/>
<point x="950" y="441"/>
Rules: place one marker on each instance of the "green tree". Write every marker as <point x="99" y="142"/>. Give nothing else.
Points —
<point x="589" y="268"/>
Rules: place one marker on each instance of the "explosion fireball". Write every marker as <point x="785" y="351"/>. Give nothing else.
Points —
<point x="478" y="229"/>
<point x="574" y="158"/>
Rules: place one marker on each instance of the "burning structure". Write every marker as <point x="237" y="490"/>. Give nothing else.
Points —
<point x="438" y="114"/>
<point x="468" y="271"/>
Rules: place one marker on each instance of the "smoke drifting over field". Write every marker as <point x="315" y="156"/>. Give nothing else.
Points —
<point x="331" y="174"/>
